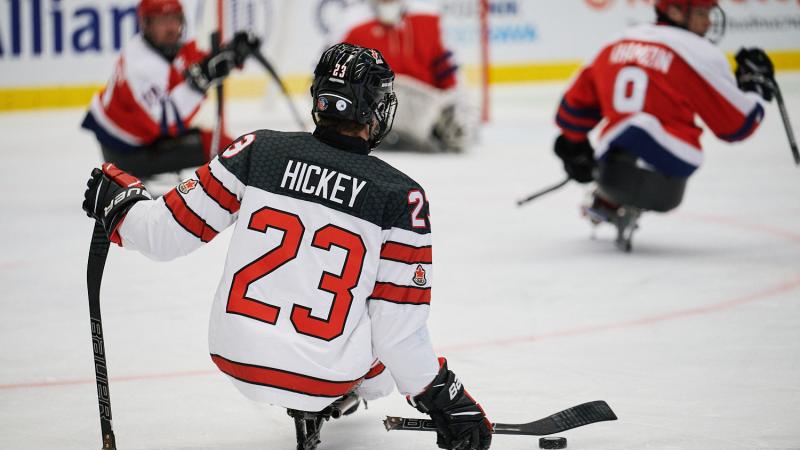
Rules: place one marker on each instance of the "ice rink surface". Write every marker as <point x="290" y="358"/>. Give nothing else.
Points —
<point x="693" y="339"/>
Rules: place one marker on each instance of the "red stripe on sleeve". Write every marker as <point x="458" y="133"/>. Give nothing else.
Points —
<point x="375" y="371"/>
<point x="394" y="251"/>
<point x="281" y="379"/>
<point x="401" y="294"/>
<point x="217" y="191"/>
<point x="187" y="218"/>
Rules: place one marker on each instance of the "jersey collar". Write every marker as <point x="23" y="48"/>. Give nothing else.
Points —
<point x="347" y="143"/>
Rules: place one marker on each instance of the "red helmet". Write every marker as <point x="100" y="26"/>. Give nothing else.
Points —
<point x="662" y="5"/>
<point x="150" y="8"/>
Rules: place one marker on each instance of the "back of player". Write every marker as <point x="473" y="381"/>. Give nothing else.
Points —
<point x="326" y="288"/>
<point x="648" y="86"/>
<point x="314" y="221"/>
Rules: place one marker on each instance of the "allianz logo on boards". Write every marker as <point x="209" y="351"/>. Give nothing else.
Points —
<point x="52" y="27"/>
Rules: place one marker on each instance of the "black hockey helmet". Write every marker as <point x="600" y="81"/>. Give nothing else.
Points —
<point x="356" y="84"/>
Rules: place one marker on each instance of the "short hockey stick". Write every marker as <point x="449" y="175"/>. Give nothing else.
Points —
<point x="261" y="59"/>
<point x="216" y="135"/>
<point x="543" y="192"/>
<point x="786" y="123"/>
<point x="98" y="250"/>
<point x="577" y="416"/>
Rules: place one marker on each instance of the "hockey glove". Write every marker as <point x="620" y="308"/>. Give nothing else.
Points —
<point x="460" y="421"/>
<point x="110" y="193"/>
<point x="755" y="73"/>
<point x="218" y="65"/>
<point x="243" y="45"/>
<point x="578" y="158"/>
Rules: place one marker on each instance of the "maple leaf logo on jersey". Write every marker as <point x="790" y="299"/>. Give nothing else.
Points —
<point x="187" y="186"/>
<point x="419" y="276"/>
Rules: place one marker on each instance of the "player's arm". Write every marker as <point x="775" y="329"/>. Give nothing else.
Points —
<point x="189" y="215"/>
<point x="578" y="113"/>
<point x="443" y="67"/>
<point x="400" y="301"/>
<point x="398" y="309"/>
<point x="731" y="113"/>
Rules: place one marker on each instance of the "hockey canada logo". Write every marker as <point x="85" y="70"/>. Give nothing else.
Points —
<point x="187" y="186"/>
<point x="419" y="276"/>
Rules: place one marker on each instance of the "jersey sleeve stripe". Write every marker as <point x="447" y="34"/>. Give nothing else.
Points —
<point x="581" y="113"/>
<point x="187" y="218"/>
<point x="395" y="251"/>
<point x="375" y="371"/>
<point x="750" y="124"/>
<point x="572" y="125"/>
<point x="282" y="379"/>
<point x="217" y="191"/>
<point x="401" y="294"/>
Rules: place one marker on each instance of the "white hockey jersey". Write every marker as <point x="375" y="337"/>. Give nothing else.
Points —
<point x="329" y="268"/>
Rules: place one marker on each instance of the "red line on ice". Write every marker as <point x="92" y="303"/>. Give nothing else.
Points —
<point x="781" y="288"/>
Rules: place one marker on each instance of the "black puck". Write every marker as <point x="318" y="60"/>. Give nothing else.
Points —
<point x="552" y="442"/>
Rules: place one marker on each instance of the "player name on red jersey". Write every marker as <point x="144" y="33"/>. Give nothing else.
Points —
<point x="646" y="55"/>
<point x="323" y="182"/>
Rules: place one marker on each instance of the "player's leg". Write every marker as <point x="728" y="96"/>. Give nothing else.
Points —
<point x="625" y="181"/>
<point x="166" y="155"/>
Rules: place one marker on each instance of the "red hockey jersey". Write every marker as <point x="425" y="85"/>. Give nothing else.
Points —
<point x="146" y="97"/>
<point x="413" y="47"/>
<point x="649" y="86"/>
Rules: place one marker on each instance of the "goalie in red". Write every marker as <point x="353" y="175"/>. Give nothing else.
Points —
<point x="432" y="117"/>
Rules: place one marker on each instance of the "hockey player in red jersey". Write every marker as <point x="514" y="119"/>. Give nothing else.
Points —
<point x="408" y="34"/>
<point x="327" y="284"/>
<point x="648" y="87"/>
<point x="141" y="118"/>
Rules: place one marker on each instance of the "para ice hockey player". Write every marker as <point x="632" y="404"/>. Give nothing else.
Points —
<point x="142" y="116"/>
<point x="432" y="115"/>
<point x="648" y="86"/>
<point x="327" y="283"/>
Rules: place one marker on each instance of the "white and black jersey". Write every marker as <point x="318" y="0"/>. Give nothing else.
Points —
<point x="328" y="271"/>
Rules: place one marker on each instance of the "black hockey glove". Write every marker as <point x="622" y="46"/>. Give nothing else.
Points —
<point x="243" y="45"/>
<point x="755" y="73"/>
<point x="110" y="193"/>
<point x="578" y="158"/>
<point x="460" y="421"/>
<point x="219" y="64"/>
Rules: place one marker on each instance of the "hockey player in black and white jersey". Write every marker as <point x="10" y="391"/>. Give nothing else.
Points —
<point x="327" y="284"/>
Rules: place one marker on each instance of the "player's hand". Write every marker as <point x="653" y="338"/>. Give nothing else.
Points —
<point x="110" y="193"/>
<point x="460" y="421"/>
<point x="243" y="45"/>
<point x="578" y="158"/>
<point x="755" y="73"/>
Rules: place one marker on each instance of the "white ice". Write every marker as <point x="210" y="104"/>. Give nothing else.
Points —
<point x="693" y="339"/>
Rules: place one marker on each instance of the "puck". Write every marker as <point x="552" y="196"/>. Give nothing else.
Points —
<point x="552" y="442"/>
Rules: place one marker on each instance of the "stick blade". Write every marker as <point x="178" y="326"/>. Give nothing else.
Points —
<point x="577" y="416"/>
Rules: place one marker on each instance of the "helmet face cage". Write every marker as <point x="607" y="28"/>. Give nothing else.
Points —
<point x="355" y="83"/>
